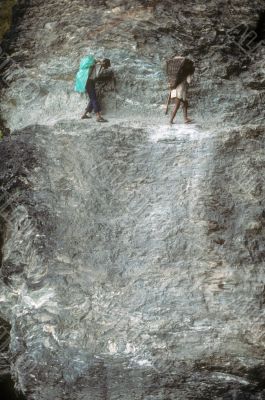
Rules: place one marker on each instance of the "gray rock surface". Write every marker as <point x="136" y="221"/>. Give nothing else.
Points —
<point x="133" y="252"/>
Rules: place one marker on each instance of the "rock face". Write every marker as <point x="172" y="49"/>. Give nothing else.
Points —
<point x="133" y="252"/>
<point x="5" y="16"/>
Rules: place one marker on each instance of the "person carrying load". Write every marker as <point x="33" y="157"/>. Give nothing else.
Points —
<point x="179" y="72"/>
<point x="89" y="70"/>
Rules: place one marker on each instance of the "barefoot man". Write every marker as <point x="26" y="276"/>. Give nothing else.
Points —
<point x="179" y="72"/>
<point x="180" y="93"/>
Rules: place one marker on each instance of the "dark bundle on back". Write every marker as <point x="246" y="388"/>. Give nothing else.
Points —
<point x="178" y="68"/>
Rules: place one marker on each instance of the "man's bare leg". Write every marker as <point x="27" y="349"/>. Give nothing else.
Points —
<point x="185" y="110"/>
<point x="177" y="105"/>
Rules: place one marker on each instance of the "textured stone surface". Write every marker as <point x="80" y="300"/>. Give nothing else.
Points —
<point x="133" y="267"/>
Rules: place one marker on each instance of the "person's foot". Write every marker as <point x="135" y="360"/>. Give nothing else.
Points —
<point x="188" y="120"/>
<point x="85" y="116"/>
<point x="101" y="119"/>
<point x="171" y="122"/>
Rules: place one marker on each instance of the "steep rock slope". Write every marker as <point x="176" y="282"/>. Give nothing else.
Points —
<point x="133" y="253"/>
<point x="138" y="36"/>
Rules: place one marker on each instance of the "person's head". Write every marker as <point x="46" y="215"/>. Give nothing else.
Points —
<point x="106" y="63"/>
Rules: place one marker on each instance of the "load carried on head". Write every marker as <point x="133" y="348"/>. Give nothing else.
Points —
<point x="178" y="68"/>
